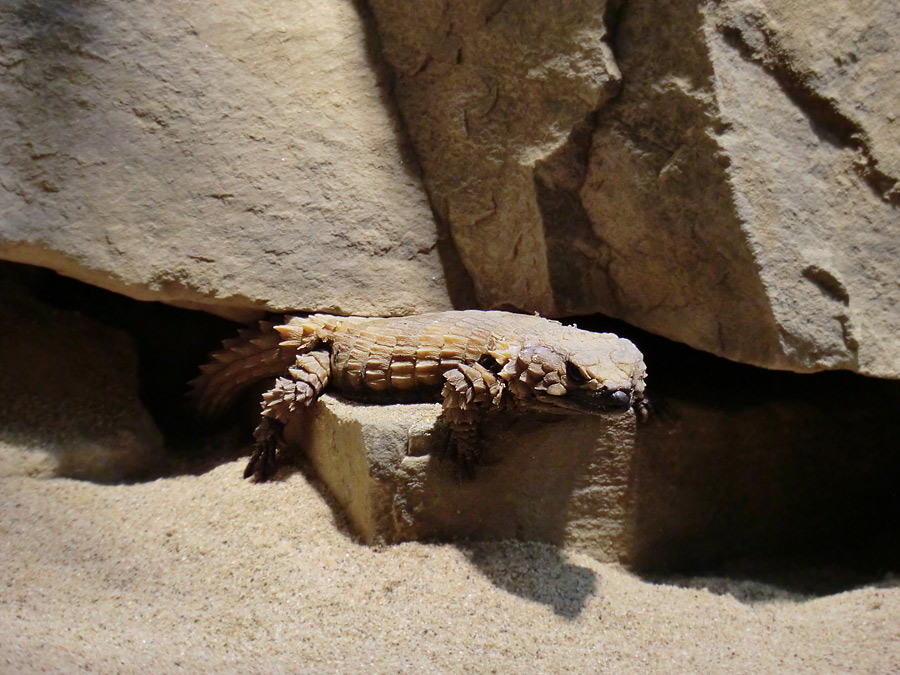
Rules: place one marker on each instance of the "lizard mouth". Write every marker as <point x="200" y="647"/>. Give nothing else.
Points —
<point x="604" y="401"/>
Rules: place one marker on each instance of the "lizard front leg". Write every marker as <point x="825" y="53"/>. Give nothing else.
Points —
<point x="310" y="375"/>
<point x="468" y="393"/>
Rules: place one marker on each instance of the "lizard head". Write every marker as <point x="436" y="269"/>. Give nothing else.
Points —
<point x="588" y="373"/>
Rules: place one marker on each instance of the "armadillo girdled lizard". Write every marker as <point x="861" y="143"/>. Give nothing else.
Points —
<point x="473" y="361"/>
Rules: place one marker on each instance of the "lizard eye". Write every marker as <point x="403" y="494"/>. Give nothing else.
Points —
<point x="574" y="374"/>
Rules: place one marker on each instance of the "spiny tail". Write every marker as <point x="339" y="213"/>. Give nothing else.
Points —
<point x="254" y="355"/>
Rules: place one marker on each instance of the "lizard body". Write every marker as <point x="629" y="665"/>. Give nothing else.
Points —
<point x="473" y="361"/>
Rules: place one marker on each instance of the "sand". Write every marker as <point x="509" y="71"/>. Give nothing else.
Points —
<point x="209" y="573"/>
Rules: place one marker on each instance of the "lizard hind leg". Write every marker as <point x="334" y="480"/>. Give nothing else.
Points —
<point x="309" y="377"/>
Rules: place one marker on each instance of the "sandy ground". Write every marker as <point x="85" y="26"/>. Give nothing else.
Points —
<point x="209" y="573"/>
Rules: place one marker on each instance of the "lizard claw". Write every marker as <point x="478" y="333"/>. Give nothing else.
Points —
<point x="463" y="449"/>
<point x="263" y="462"/>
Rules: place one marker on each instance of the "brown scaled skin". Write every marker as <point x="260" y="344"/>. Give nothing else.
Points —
<point x="474" y="362"/>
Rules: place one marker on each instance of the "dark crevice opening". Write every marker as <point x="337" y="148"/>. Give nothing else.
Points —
<point x="169" y="342"/>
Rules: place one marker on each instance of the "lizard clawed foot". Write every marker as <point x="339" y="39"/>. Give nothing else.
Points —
<point x="464" y="450"/>
<point x="263" y="462"/>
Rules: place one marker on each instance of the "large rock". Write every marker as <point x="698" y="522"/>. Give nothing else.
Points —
<point x="735" y="199"/>
<point x="222" y="156"/>
<point x="764" y="467"/>
<point x="488" y="91"/>
<point x="760" y="467"/>
<point x="383" y="465"/>
<point x="735" y="188"/>
<point x="722" y="174"/>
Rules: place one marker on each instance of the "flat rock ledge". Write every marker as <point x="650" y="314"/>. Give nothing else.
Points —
<point x="562" y="480"/>
<point x="694" y="485"/>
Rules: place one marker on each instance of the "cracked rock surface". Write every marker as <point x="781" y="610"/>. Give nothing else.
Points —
<point x="488" y="91"/>
<point x="725" y="174"/>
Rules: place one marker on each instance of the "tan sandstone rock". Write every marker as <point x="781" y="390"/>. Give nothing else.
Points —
<point x="736" y="200"/>
<point x="764" y="476"/>
<point x="554" y="479"/>
<point x="218" y="156"/>
<point x="735" y="188"/>
<point x="724" y="174"/>
<point x="488" y="91"/>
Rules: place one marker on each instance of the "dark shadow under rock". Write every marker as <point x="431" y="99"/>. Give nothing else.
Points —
<point x="97" y="381"/>
<point x="742" y="465"/>
<point x="68" y="387"/>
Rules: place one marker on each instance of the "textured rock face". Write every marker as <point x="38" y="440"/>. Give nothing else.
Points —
<point x="488" y="91"/>
<point x="222" y="156"/>
<point x="738" y="201"/>
<point x="724" y="174"/>
<point x="382" y="465"/>
<point x="816" y="159"/>
<point x="738" y="191"/>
